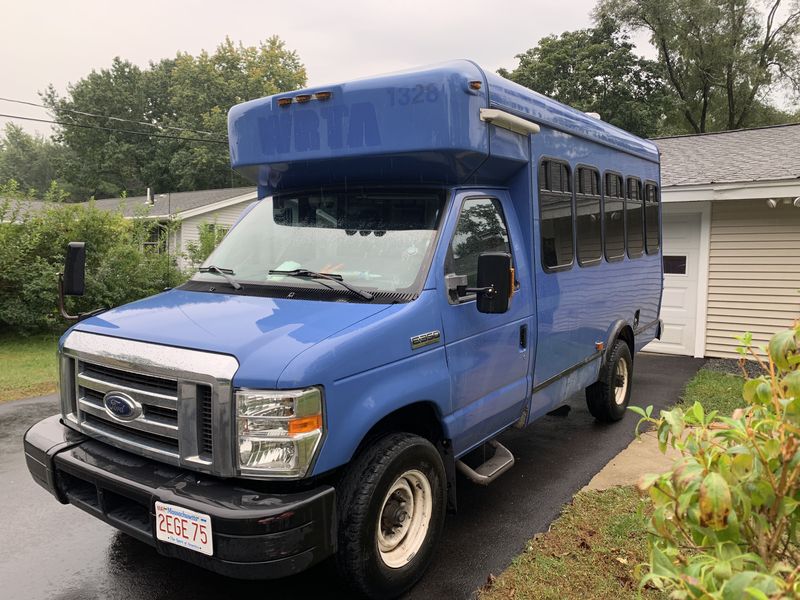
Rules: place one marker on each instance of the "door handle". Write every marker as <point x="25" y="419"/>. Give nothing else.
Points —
<point x="523" y="337"/>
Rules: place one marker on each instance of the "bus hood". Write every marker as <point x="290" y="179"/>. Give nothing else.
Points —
<point x="264" y="334"/>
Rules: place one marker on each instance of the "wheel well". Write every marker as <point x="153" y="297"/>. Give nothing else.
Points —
<point x="420" y="418"/>
<point x="626" y="334"/>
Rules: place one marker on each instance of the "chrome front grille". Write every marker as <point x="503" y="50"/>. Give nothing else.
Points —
<point x="156" y="429"/>
<point x="182" y="398"/>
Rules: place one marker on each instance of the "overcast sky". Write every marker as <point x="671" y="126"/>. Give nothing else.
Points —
<point x="60" y="42"/>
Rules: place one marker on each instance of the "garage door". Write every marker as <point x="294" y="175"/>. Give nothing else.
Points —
<point x="679" y="302"/>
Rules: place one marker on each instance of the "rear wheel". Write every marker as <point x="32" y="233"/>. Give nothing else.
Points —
<point x="391" y="510"/>
<point x="609" y="396"/>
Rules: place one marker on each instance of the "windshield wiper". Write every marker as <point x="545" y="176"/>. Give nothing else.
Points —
<point x="306" y="274"/>
<point x="226" y="273"/>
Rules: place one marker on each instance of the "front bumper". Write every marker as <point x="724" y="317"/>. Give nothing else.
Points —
<point x="256" y="535"/>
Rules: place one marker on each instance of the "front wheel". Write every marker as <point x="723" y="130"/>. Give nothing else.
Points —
<point x="391" y="510"/>
<point x="609" y="396"/>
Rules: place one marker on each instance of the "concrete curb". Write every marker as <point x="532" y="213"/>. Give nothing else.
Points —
<point x="642" y="456"/>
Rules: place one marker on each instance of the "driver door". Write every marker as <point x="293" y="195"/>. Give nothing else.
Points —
<point x="488" y="355"/>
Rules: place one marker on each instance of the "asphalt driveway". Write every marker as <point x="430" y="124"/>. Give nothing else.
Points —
<point x="59" y="552"/>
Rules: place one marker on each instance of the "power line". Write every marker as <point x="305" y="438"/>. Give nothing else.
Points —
<point x="153" y="135"/>
<point x="97" y="116"/>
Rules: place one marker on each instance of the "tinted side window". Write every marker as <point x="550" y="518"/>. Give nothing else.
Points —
<point x="587" y="217"/>
<point x="555" y="205"/>
<point x="480" y="228"/>
<point x="613" y="217"/>
<point x="634" y="218"/>
<point x="652" y="231"/>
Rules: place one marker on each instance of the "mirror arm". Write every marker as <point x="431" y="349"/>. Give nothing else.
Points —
<point x="489" y="291"/>
<point x="62" y="309"/>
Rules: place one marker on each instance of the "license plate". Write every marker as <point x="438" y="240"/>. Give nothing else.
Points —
<point x="184" y="527"/>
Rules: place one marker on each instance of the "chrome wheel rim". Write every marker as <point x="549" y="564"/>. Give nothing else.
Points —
<point x="404" y="519"/>
<point x="621" y="380"/>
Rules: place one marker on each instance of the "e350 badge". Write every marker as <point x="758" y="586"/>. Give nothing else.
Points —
<point x="425" y="339"/>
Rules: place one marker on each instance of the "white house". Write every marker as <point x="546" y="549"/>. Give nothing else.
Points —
<point x="731" y="221"/>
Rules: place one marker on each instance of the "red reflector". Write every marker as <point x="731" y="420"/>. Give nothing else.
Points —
<point x="302" y="98"/>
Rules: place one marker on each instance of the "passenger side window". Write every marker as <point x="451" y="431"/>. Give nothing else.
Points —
<point x="652" y="230"/>
<point x="481" y="228"/>
<point x="613" y="217"/>
<point x="555" y="206"/>
<point x="634" y="218"/>
<point x="587" y="217"/>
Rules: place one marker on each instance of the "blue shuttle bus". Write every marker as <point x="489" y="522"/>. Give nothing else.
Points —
<point x="437" y="255"/>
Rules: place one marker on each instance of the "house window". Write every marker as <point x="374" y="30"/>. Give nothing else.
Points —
<point x="156" y="238"/>
<point x="613" y="217"/>
<point x="555" y="205"/>
<point x="634" y="218"/>
<point x="587" y="217"/>
<point x="652" y="230"/>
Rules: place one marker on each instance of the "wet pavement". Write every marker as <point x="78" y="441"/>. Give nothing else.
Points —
<point x="50" y="551"/>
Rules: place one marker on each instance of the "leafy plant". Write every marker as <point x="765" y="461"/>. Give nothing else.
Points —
<point x="725" y="520"/>
<point x="209" y="235"/>
<point x="120" y="266"/>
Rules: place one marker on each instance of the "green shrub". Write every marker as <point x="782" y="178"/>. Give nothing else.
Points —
<point x="120" y="267"/>
<point x="209" y="237"/>
<point x="725" y="520"/>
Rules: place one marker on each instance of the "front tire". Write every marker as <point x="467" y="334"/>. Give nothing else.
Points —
<point x="609" y="396"/>
<point x="392" y="503"/>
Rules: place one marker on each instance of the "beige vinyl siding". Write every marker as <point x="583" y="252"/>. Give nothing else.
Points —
<point x="753" y="273"/>
<point x="224" y="217"/>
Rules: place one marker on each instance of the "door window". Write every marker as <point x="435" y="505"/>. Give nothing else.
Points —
<point x="674" y="265"/>
<point x="481" y="228"/>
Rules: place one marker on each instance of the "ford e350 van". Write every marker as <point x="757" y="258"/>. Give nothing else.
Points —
<point x="436" y="256"/>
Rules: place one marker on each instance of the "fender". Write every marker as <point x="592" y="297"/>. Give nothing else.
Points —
<point x="614" y="332"/>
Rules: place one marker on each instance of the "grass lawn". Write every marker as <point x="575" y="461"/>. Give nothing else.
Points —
<point x="27" y="366"/>
<point x="589" y="552"/>
<point x="715" y="391"/>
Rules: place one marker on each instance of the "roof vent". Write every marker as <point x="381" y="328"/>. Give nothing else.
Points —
<point x="593" y="115"/>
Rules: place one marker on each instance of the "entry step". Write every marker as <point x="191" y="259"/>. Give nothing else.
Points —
<point x="500" y="462"/>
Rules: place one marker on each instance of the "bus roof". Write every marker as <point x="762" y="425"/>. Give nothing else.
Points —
<point x="420" y="126"/>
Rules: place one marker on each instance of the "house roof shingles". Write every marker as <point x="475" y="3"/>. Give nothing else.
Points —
<point x="745" y="155"/>
<point x="163" y="205"/>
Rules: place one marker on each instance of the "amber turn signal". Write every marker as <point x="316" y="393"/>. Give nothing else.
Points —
<point x="305" y="424"/>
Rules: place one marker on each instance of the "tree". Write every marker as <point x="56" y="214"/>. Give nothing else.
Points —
<point x="186" y="98"/>
<point x="33" y="162"/>
<point x="596" y="70"/>
<point x="722" y="58"/>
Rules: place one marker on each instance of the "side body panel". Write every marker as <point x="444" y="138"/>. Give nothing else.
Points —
<point x="578" y="307"/>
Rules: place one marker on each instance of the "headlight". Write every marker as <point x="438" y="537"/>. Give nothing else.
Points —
<point x="279" y="431"/>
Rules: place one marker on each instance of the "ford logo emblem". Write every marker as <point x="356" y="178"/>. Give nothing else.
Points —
<point x="122" y="407"/>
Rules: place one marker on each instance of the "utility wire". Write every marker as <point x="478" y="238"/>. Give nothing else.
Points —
<point x="97" y="116"/>
<point x="153" y="135"/>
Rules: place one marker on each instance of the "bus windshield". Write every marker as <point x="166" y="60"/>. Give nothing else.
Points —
<point x="377" y="241"/>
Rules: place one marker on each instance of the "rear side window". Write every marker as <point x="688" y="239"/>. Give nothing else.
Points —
<point x="589" y="243"/>
<point x="555" y="206"/>
<point x="481" y="228"/>
<point x="634" y="218"/>
<point x="652" y="230"/>
<point x="614" y="217"/>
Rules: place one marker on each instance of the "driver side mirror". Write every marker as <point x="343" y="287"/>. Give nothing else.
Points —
<point x="74" y="278"/>
<point x="495" y="282"/>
